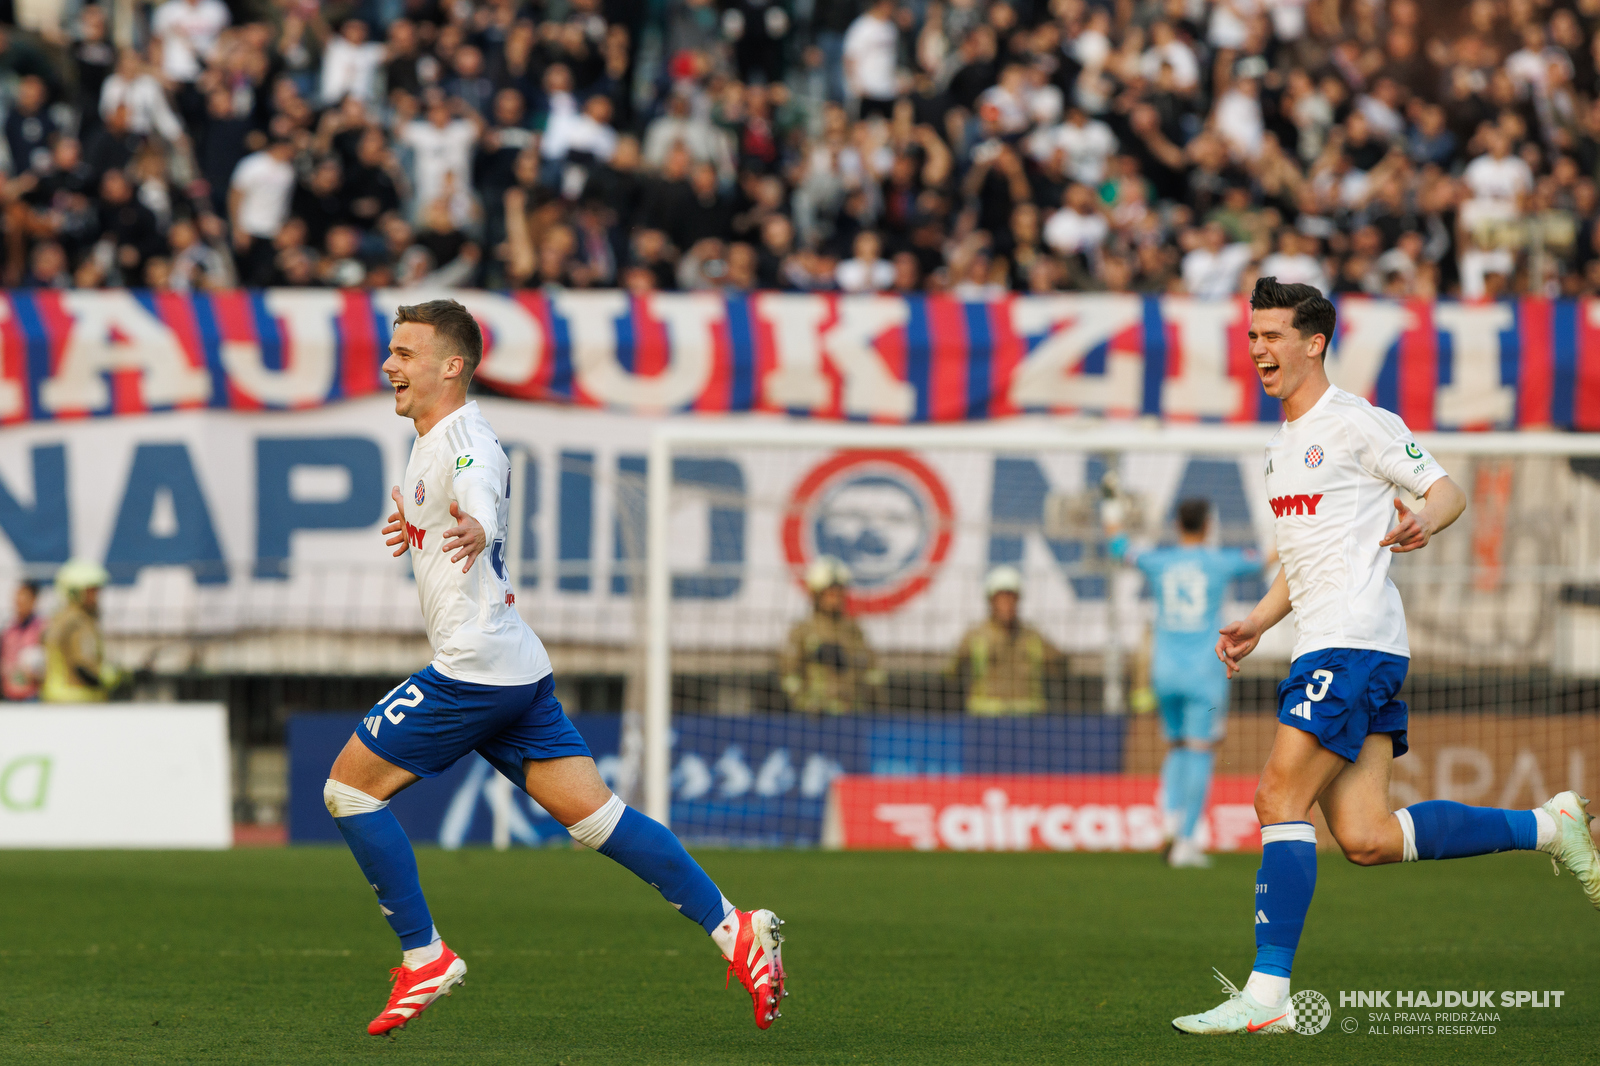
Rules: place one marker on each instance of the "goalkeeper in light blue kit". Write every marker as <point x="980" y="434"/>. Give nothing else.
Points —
<point x="1191" y="686"/>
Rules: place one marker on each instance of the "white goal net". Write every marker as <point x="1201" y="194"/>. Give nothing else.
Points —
<point x="904" y="722"/>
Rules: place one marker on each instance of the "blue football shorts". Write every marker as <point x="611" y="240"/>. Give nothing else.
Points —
<point x="1192" y="714"/>
<point x="1192" y="692"/>
<point x="429" y="721"/>
<point x="1341" y="696"/>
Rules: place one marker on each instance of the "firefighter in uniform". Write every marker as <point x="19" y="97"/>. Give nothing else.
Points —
<point x="1001" y="660"/>
<point x="75" y="670"/>
<point x="826" y="664"/>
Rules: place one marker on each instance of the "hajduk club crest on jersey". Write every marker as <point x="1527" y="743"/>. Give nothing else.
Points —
<point x="1314" y="456"/>
<point x="421" y="493"/>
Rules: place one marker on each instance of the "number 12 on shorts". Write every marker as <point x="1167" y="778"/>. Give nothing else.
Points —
<point x="372" y="723"/>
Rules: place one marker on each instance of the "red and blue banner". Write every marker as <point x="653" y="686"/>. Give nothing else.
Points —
<point x="1441" y="366"/>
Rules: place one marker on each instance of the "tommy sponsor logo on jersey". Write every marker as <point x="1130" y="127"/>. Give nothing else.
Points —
<point x="1297" y="504"/>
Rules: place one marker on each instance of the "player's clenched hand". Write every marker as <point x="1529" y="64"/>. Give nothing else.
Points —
<point x="465" y="539"/>
<point x="1238" y="640"/>
<point x="395" y="531"/>
<point x="1409" y="534"/>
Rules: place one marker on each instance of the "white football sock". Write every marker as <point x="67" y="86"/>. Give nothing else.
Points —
<point x="727" y="933"/>
<point x="417" y="957"/>
<point x="1267" y="989"/>
<point x="1547" y="827"/>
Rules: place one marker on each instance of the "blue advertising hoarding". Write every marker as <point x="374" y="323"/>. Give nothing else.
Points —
<point x="760" y="780"/>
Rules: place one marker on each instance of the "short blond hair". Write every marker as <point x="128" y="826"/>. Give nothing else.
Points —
<point x="451" y="321"/>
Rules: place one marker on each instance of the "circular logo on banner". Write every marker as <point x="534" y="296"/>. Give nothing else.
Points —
<point x="1314" y="456"/>
<point x="1312" y="1012"/>
<point x="421" y="493"/>
<point x="885" y="514"/>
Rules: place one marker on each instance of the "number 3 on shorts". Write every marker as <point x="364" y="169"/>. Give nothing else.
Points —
<point x="1324" y="677"/>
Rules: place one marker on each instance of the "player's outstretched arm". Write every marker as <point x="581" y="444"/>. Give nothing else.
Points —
<point x="395" y="531"/>
<point x="1239" y="639"/>
<point x="1444" y="503"/>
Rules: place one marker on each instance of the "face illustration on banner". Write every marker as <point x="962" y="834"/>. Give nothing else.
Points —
<point x="885" y="514"/>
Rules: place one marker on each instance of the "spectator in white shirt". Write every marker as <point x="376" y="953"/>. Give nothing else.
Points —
<point x="1211" y="270"/>
<point x="1079" y="228"/>
<point x="258" y="205"/>
<point x="1382" y="108"/>
<point x="1009" y="100"/>
<point x="704" y="142"/>
<point x="1498" y="181"/>
<point x="589" y="132"/>
<point x="1238" y="119"/>
<point x="1528" y="67"/>
<point x="1092" y="47"/>
<point x="1288" y="19"/>
<point x="870" y="47"/>
<point x="188" y="30"/>
<point x="1293" y="263"/>
<point x="1166" y="48"/>
<point x="442" y="159"/>
<point x="868" y="270"/>
<point x="350" y="64"/>
<point x="1230" y="23"/>
<point x="1088" y="143"/>
<point x="135" y="87"/>
<point x="562" y="112"/>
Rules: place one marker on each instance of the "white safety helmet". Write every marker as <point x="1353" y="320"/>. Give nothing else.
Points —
<point x="76" y="575"/>
<point x="1003" y="579"/>
<point x="825" y="572"/>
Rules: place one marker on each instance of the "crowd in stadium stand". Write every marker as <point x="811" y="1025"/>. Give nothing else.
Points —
<point x="965" y="146"/>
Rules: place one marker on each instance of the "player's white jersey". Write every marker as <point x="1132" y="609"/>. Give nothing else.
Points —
<point x="1331" y="475"/>
<point x="475" y="631"/>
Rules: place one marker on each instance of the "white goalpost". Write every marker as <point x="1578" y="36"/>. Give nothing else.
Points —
<point x="1495" y="464"/>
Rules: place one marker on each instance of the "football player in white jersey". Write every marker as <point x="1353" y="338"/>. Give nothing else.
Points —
<point x="489" y="689"/>
<point x="1332" y="471"/>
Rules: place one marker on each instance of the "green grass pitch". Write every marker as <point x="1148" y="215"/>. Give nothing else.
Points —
<point x="280" y="956"/>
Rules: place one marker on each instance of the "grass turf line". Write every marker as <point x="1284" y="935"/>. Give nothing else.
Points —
<point x="281" y="957"/>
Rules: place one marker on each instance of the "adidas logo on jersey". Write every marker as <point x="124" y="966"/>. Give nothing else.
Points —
<point x="1300" y="504"/>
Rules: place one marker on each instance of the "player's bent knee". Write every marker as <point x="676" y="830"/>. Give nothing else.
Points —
<point x="1364" y="849"/>
<point x="343" y="801"/>
<point x="1271" y="805"/>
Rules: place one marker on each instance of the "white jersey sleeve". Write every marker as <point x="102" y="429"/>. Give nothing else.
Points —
<point x="473" y="625"/>
<point x="1389" y="451"/>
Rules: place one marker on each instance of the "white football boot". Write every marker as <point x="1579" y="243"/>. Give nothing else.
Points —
<point x="1187" y="855"/>
<point x="1240" y="1013"/>
<point x="1573" y="846"/>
